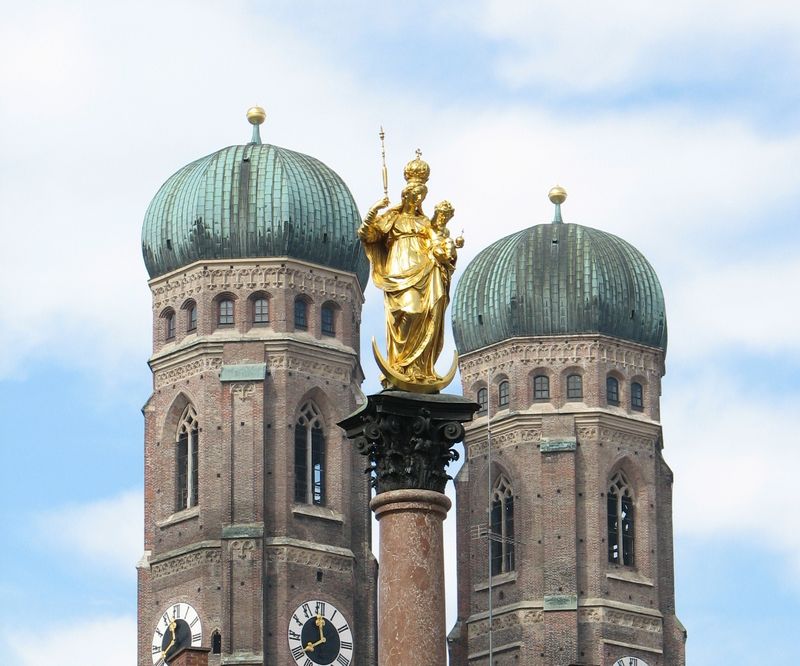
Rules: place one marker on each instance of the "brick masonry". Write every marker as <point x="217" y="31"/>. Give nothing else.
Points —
<point x="247" y="555"/>
<point x="564" y="603"/>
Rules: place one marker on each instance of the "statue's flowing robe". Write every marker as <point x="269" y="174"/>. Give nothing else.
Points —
<point x="415" y="291"/>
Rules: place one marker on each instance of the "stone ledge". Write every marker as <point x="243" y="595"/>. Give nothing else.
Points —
<point x="630" y="577"/>
<point x="500" y="579"/>
<point x="500" y="648"/>
<point x="179" y="517"/>
<point x="307" y="545"/>
<point x="632" y="646"/>
<point x="321" y="512"/>
<point x="170" y="554"/>
<point x="244" y="658"/>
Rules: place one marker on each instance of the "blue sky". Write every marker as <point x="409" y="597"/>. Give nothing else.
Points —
<point x="676" y="127"/>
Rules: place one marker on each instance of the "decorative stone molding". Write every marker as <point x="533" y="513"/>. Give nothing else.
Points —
<point x="184" y="562"/>
<point x="556" y="353"/>
<point x="476" y="441"/>
<point x="195" y="367"/>
<point x="633" y="621"/>
<point x="338" y="372"/>
<point x="224" y="275"/>
<point x="309" y="558"/>
<point x="506" y="621"/>
<point x="242" y="549"/>
<point x="408" y="437"/>
<point x="243" y="392"/>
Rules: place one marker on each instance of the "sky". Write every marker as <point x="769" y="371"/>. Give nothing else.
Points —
<point x="675" y="126"/>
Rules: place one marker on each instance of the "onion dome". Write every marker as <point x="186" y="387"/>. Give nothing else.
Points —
<point x="253" y="201"/>
<point x="558" y="279"/>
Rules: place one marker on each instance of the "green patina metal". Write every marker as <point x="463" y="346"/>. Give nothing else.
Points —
<point x="558" y="279"/>
<point x="252" y="201"/>
<point x="558" y="445"/>
<point x="243" y="372"/>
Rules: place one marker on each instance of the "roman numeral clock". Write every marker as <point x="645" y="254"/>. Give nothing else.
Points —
<point x="319" y="634"/>
<point x="178" y="627"/>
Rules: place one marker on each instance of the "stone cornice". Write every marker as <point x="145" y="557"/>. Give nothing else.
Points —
<point x="218" y="275"/>
<point x="560" y="351"/>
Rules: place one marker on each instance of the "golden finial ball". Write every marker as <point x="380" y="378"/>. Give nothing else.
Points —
<point x="256" y="115"/>
<point x="557" y="194"/>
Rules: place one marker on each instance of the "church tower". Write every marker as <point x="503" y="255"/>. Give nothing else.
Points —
<point x="564" y="501"/>
<point x="257" y="527"/>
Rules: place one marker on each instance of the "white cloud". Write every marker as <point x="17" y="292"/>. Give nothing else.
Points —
<point x="93" y="642"/>
<point x="108" y="533"/>
<point x="589" y="47"/>
<point x="735" y="461"/>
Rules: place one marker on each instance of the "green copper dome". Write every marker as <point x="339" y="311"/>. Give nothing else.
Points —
<point x="253" y="201"/>
<point x="558" y="279"/>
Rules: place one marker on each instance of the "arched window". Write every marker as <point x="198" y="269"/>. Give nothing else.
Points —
<point x="300" y="314"/>
<point x="612" y="390"/>
<point x="637" y="397"/>
<point x="574" y="387"/>
<point x="309" y="456"/>
<point x="191" y="317"/>
<point x="483" y="400"/>
<point x="186" y="457"/>
<point x="541" y="387"/>
<point x="225" y="312"/>
<point x="502" y="527"/>
<point x="170" y="325"/>
<point x="502" y="393"/>
<point x="328" y="320"/>
<point x="261" y="310"/>
<point x="620" y="521"/>
<point x="216" y="642"/>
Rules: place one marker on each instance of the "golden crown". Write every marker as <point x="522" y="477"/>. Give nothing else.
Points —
<point x="417" y="170"/>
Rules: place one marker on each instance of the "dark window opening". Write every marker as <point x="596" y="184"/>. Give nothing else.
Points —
<point x="309" y="457"/>
<point x="225" y="312"/>
<point x="328" y="325"/>
<point x="170" y="326"/>
<point x="192" y="318"/>
<point x="300" y="314"/>
<point x="541" y="387"/>
<point x="637" y="396"/>
<point x="216" y="643"/>
<point x="187" y="450"/>
<point x="574" y="387"/>
<point x="483" y="400"/>
<point x="503" y="394"/>
<point x="620" y="522"/>
<point x="261" y="311"/>
<point x="612" y="390"/>
<point x="502" y="528"/>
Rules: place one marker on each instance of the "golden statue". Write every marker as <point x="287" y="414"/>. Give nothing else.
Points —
<point x="413" y="259"/>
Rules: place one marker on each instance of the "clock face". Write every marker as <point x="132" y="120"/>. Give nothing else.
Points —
<point x="630" y="661"/>
<point x="320" y="634"/>
<point x="178" y="627"/>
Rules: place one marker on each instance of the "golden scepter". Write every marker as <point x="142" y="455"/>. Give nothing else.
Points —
<point x="384" y="171"/>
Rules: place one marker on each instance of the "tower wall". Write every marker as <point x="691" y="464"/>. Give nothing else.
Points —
<point x="563" y="601"/>
<point x="247" y="555"/>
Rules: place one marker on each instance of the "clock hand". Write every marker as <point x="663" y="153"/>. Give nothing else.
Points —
<point x="172" y="625"/>
<point x="320" y="622"/>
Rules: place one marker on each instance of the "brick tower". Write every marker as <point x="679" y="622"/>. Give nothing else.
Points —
<point x="567" y="519"/>
<point x="257" y="527"/>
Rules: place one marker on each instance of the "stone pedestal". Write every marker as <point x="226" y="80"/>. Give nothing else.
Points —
<point x="407" y="439"/>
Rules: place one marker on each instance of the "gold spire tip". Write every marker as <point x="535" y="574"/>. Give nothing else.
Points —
<point x="256" y="115"/>
<point x="557" y="194"/>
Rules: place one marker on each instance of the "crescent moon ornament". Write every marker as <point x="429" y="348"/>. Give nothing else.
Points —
<point x="403" y="384"/>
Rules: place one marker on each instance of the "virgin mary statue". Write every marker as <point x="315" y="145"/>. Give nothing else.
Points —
<point x="405" y="252"/>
